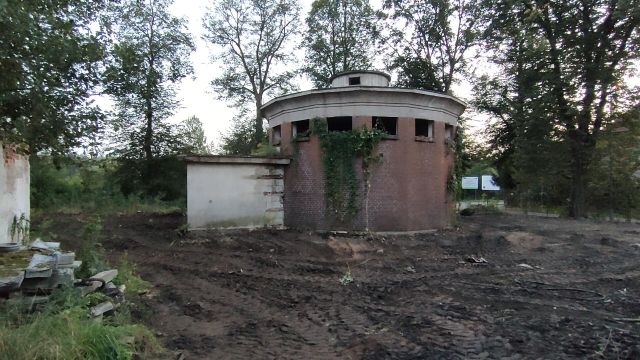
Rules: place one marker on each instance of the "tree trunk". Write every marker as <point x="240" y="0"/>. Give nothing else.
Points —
<point x="258" y="125"/>
<point x="148" y="134"/>
<point x="582" y="147"/>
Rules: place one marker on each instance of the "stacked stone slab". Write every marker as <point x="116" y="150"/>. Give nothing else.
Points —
<point x="48" y="269"/>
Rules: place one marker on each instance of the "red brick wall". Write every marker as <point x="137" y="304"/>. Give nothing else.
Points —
<point x="408" y="188"/>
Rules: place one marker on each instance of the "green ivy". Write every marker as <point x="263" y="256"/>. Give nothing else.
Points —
<point x="340" y="149"/>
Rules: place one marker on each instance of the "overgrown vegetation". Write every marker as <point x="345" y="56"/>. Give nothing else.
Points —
<point x="62" y="327"/>
<point x="64" y="330"/>
<point x="340" y="150"/>
<point x="78" y="184"/>
<point x="19" y="229"/>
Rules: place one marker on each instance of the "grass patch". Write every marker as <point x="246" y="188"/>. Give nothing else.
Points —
<point x="127" y="276"/>
<point x="64" y="330"/>
<point x="72" y="335"/>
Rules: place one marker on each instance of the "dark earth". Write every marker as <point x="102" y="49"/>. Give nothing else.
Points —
<point x="550" y="289"/>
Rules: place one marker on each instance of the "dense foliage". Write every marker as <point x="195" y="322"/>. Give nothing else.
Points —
<point x="254" y="37"/>
<point x="561" y="83"/>
<point x="428" y="40"/>
<point x="50" y="58"/>
<point x="340" y="37"/>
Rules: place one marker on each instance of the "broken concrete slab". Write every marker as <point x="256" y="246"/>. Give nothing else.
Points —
<point x="45" y="245"/>
<point x="102" y="308"/>
<point x="58" y="278"/>
<point x="76" y="264"/>
<point x="105" y="276"/>
<point x="11" y="281"/>
<point x="66" y="258"/>
<point x="38" y="273"/>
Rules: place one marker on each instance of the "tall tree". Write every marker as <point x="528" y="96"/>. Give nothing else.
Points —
<point x="256" y="57"/>
<point x="192" y="135"/>
<point x="428" y="40"/>
<point x="50" y="57"/>
<point x="239" y="138"/>
<point x="150" y="56"/>
<point x="584" y="49"/>
<point x="340" y="37"/>
<point x="615" y="184"/>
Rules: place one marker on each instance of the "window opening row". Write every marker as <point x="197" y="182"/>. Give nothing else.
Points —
<point x="423" y="127"/>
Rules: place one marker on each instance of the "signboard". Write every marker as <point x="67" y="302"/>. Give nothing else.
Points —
<point x="470" y="182"/>
<point x="488" y="184"/>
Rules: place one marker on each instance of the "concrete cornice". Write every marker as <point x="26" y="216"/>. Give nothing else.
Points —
<point x="223" y="159"/>
<point x="349" y="89"/>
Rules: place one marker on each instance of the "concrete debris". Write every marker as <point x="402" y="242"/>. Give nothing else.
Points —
<point x="29" y="276"/>
<point x="45" y="245"/>
<point x="9" y="247"/>
<point x="105" y="276"/>
<point x="102" y="308"/>
<point x="477" y="260"/>
<point x="410" y="269"/>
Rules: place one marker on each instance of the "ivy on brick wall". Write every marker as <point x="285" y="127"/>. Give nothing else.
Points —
<point x="340" y="150"/>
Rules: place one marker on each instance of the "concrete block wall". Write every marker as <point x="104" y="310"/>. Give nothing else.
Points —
<point x="14" y="193"/>
<point x="241" y="194"/>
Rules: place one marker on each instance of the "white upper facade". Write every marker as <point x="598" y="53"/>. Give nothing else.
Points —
<point x="363" y="93"/>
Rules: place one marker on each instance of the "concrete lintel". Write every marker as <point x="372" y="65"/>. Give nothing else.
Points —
<point x="221" y="159"/>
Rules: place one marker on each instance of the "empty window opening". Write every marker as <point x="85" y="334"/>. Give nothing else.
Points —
<point x="301" y="128"/>
<point x="354" y="80"/>
<point x="424" y="128"/>
<point x="276" y="134"/>
<point x="448" y="132"/>
<point x="339" y="123"/>
<point x="386" y="124"/>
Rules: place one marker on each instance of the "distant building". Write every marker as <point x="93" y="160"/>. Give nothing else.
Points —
<point x="408" y="188"/>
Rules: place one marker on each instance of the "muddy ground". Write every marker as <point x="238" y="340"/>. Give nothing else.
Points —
<point x="550" y="289"/>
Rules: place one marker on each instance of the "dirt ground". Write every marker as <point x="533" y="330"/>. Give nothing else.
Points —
<point x="549" y="289"/>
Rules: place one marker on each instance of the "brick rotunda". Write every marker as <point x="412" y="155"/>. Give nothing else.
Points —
<point x="408" y="187"/>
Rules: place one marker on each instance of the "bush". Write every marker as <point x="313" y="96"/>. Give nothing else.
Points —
<point x="74" y="185"/>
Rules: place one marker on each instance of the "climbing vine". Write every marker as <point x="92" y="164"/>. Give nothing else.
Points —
<point x="340" y="149"/>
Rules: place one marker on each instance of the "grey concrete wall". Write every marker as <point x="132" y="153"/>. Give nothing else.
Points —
<point x="14" y="193"/>
<point x="234" y="195"/>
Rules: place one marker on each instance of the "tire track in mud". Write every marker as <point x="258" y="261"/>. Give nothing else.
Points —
<point x="277" y="295"/>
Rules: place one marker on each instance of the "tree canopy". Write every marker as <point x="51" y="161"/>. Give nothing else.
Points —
<point x="564" y="63"/>
<point x="340" y="37"/>
<point x="428" y="40"/>
<point x="150" y="56"/>
<point x="254" y="37"/>
<point x="50" y="59"/>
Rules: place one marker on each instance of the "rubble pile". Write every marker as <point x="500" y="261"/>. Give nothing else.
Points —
<point x="29" y="274"/>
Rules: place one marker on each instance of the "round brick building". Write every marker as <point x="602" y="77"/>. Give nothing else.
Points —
<point x="408" y="187"/>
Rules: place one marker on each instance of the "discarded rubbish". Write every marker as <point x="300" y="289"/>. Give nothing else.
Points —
<point x="526" y="266"/>
<point x="9" y="247"/>
<point x="477" y="260"/>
